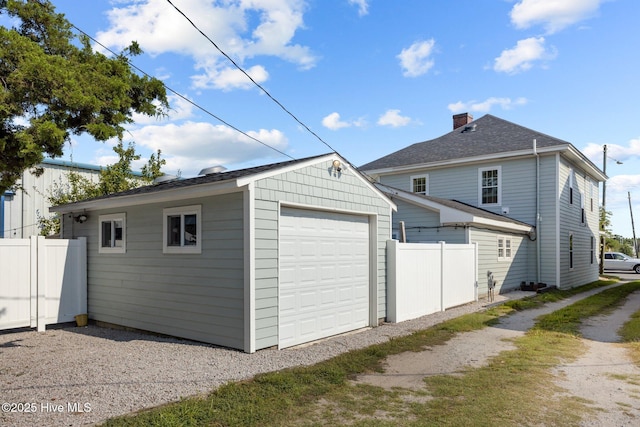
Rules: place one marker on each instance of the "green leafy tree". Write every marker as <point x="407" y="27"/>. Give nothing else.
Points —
<point x="113" y="179"/>
<point x="52" y="85"/>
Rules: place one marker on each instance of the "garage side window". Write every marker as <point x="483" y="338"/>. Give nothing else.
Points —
<point x="504" y="248"/>
<point x="112" y="233"/>
<point x="182" y="229"/>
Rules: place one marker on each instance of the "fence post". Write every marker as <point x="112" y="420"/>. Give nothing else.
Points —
<point x="36" y="265"/>
<point x="392" y="281"/>
<point x="442" y="267"/>
<point x="475" y="269"/>
<point x="81" y="261"/>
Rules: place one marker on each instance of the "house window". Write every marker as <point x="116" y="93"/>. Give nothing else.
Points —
<point x="582" y="212"/>
<point x="593" y="247"/>
<point x="504" y="248"/>
<point x="570" y="186"/>
<point x="182" y="229"/>
<point x="112" y="233"/>
<point x="490" y="181"/>
<point x="419" y="184"/>
<point x="570" y="251"/>
<point x="591" y="186"/>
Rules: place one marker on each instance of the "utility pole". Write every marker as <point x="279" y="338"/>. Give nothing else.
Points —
<point x="603" y="214"/>
<point x="633" y="228"/>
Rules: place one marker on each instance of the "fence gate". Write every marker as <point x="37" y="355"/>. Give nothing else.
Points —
<point x="42" y="281"/>
<point x="424" y="278"/>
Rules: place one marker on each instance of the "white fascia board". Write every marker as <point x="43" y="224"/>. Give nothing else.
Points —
<point x="183" y="193"/>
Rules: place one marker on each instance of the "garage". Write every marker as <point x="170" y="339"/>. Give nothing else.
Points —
<point x="324" y="274"/>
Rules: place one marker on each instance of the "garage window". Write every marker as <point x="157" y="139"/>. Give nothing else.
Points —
<point x="504" y="248"/>
<point x="111" y="233"/>
<point x="182" y="229"/>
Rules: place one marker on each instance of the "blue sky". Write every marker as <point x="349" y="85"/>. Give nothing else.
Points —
<point x="371" y="76"/>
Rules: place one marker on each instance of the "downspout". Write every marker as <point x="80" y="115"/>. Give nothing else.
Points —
<point x="538" y="250"/>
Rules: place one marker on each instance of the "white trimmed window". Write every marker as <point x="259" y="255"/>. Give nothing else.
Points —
<point x="570" y="186"/>
<point x="504" y="248"/>
<point x="182" y="230"/>
<point x="490" y="188"/>
<point x="112" y="234"/>
<point x="571" y="251"/>
<point x="420" y="184"/>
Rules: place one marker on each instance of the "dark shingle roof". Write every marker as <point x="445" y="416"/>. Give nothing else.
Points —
<point x="492" y="135"/>
<point x="454" y="204"/>
<point x="205" y="179"/>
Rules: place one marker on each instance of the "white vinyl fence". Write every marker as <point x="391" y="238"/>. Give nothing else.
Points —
<point x="424" y="278"/>
<point x="42" y="281"/>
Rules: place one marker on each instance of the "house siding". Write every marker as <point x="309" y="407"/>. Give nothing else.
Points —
<point x="195" y="296"/>
<point x="508" y="273"/>
<point x="585" y="267"/>
<point x="315" y="187"/>
<point x="461" y="183"/>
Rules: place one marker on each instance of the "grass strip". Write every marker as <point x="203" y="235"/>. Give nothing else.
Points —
<point x="290" y="396"/>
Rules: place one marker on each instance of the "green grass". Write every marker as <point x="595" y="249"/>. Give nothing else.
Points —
<point x="514" y="388"/>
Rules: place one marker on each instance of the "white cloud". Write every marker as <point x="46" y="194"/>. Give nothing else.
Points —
<point x="179" y="109"/>
<point x="486" y="105"/>
<point x="242" y="28"/>
<point x="394" y="119"/>
<point x="363" y="6"/>
<point x="192" y="146"/>
<point x="416" y="59"/>
<point x="333" y="122"/>
<point x="523" y="55"/>
<point x="615" y="152"/>
<point x="229" y="78"/>
<point x="553" y="15"/>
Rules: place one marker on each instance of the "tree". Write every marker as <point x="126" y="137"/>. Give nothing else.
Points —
<point x="52" y="85"/>
<point x="113" y="179"/>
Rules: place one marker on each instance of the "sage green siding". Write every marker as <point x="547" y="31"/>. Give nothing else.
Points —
<point x="314" y="187"/>
<point x="585" y="260"/>
<point x="509" y="272"/>
<point x="558" y="217"/>
<point x="195" y="296"/>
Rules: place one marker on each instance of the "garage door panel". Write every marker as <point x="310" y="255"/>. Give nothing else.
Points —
<point x="328" y="254"/>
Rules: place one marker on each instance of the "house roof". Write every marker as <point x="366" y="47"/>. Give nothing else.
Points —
<point x="486" y="137"/>
<point x="453" y="212"/>
<point x="215" y="183"/>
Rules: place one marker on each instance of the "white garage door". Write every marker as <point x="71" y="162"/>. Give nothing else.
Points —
<point x="324" y="275"/>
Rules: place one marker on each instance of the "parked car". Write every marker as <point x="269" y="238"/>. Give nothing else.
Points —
<point x="619" y="261"/>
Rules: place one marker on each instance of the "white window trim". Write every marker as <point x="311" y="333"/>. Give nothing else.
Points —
<point x="490" y="168"/>
<point x="426" y="183"/>
<point x="504" y="240"/>
<point x="112" y="217"/>
<point x="571" y="252"/>
<point x="182" y="210"/>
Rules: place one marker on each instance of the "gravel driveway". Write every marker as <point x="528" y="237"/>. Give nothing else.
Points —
<point x="80" y="376"/>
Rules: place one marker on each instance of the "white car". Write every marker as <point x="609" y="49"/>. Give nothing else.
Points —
<point x="619" y="261"/>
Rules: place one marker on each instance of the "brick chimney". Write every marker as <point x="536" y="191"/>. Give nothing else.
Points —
<point x="460" y="120"/>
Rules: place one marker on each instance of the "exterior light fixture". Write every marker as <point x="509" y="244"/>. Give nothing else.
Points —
<point x="336" y="165"/>
<point x="81" y="218"/>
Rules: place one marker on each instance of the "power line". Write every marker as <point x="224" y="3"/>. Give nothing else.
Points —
<point x="185" y="98"/>
<point x="252" y="80"/>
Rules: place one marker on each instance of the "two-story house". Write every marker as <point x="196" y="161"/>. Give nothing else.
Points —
<point x="528" y="199"/>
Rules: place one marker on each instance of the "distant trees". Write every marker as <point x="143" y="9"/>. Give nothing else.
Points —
<point x="113" y="179"/>
<point x="52" y="85"/>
